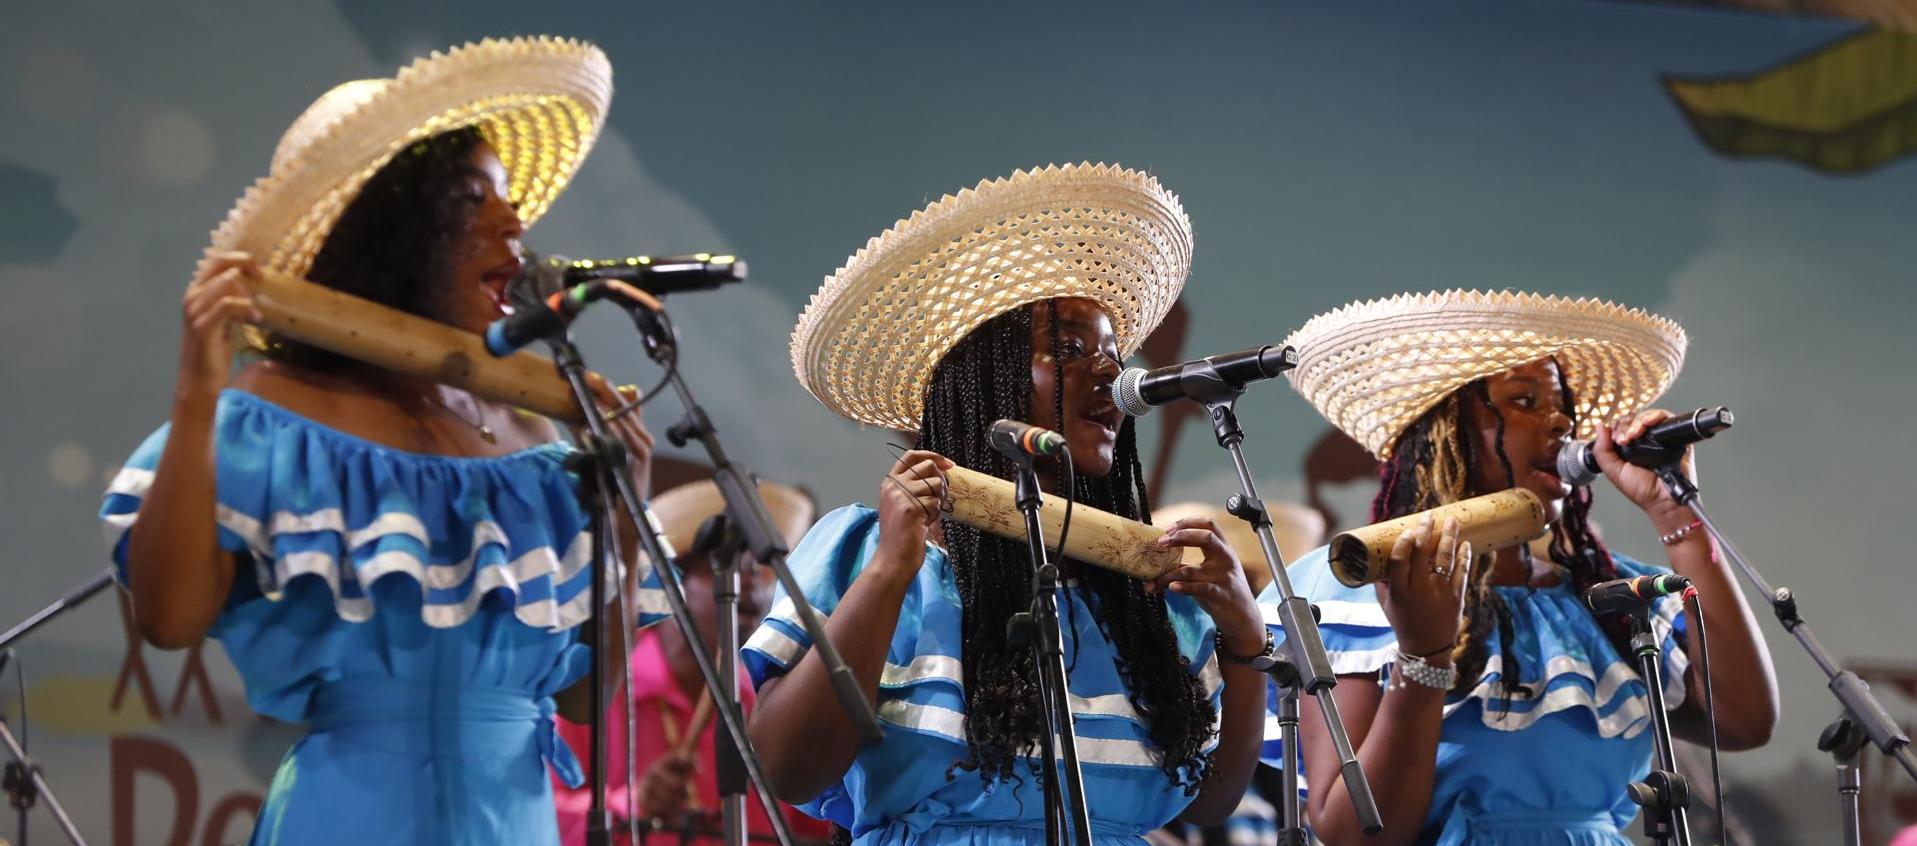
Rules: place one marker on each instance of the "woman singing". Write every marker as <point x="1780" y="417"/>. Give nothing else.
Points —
<point x="400" y="566"/>
<point x="1486" y="701"/>
<point x="1015" y="300"/>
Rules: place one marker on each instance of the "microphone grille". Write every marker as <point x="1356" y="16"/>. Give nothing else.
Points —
<point x="1126" y="395"/>
<point x="1575" y="464"/>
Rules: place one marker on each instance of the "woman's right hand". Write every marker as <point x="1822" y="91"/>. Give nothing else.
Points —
<point x="1423" y="592"/>
<point x="214" y="301"/>
<point x="911" y="502"/>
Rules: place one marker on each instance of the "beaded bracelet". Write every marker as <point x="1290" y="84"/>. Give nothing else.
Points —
<point x="1413" y="668"/>
<point x="1680" y="534"/>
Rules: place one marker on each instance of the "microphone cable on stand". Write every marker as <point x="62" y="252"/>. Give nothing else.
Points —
<point x="1710" y="706"/>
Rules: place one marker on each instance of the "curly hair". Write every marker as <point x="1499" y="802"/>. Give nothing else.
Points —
<point x="393" y="242"/>
<point x="1432" y="465"/>
<point x="988" y="376"/>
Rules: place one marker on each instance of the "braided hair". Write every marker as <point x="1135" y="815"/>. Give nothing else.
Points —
<point x="1431" y="465"/>
<point x="986" y="377"/>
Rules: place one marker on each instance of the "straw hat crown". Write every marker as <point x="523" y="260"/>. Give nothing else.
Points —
<point x="1374" y="367"/>
<point x="539" y="102"/>
<point x="870" y="339"/>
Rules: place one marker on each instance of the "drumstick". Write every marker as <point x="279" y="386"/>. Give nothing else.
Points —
<point x="701" y="717"/>
<point x="408" y="344"/>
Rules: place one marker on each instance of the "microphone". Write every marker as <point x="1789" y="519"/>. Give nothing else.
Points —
<point x="548" y="293"/>
<point x="1627" y="595"/>
<point x="1139" y="390"/>
<point x="1019" y="440"/>
<point x="536" y="318"/>
<point x="1661" y="445"/>
<point x="656" y="275"/>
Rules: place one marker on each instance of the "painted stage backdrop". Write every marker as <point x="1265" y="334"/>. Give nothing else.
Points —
<point x="1325" y="151"/>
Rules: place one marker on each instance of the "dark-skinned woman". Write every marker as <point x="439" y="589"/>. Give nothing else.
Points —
<point x="1486" y="701"/>
<point x="1016" y="299"/>
<point x="400" y="566"/>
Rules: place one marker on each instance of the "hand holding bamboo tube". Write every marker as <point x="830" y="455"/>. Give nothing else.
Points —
<point x="1490" y="523"/>
<point x="1098" y="537"/>
<point x="404" y="343"/>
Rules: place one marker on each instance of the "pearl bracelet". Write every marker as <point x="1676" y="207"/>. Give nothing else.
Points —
<point x="1425" y="673"/>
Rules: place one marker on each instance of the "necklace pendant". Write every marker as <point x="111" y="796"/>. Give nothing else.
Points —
<point x="486" y="434"/>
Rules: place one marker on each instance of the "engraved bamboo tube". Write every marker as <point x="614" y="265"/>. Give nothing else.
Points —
<point x="1490" y="522"/>
<point x="989" y="504"/>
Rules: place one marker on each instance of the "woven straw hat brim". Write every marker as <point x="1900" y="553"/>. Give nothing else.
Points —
<point x="1372" y="368"/>
<point x="870" y="339"/>
<point x="682" y="509"/>
<point x="539" y="101"/>
<point x="1296" y="528"/>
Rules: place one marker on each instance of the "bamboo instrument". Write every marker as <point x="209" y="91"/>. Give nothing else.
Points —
<point x="1490" y="522"/>
<point x="988" y="503"/>
<point x="408" y="344"/>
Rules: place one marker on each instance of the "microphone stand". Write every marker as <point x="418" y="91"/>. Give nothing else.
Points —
<point x="1306" y="667"/>
<point x="605" y="460"/>
<point x="23" y="782"/>
<point x="724" y="549"/>
<point x="749" y="517"/>
<point x="1039" y="628"/>
<point x="1664" y="793"/>
<point x="1862" y="717"/>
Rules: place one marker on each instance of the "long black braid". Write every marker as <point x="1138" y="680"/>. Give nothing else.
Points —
<point x="987" y="376"/>
<point x="1430" y="465"/>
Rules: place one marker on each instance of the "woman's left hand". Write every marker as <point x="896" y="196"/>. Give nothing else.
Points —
<point x="1639" y="484"/>
<point x="629" y="428"/>
<point x="1217" y="583"/>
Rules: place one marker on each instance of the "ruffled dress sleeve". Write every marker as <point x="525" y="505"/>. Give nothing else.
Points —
<point x="297" y="501"/>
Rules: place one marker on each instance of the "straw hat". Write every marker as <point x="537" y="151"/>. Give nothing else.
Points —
<point x="872" y="336"/>
<point x="1373" y="367"/>
<point x="538" y="101"/>
<point x="682" y="509"/>
<point x="1297" y="529"/>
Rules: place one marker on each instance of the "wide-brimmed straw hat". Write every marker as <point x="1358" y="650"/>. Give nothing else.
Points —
<point x="1374" y="367"/>
<point x="1296" y="528"/>
<point x="682" y="509"/>
<point x="868" y="343"/>
<point x="539" y="101"/>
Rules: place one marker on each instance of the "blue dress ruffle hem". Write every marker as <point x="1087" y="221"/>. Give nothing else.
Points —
<point x="416" y="612"/>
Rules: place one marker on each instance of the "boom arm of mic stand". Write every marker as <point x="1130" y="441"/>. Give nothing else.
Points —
<point x="754" y="523"/>
<point x="1853" y="695"/>
<point x="1303" y="647"/>
<point x="567" y="357"/>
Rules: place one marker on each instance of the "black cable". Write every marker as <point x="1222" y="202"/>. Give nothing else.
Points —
<point x="27" y="787"/>
<point x="1710" y="707"/>
<point x="20" y="681"/>
<point x="1071" y="496"/>
<point x="672" y="360"/>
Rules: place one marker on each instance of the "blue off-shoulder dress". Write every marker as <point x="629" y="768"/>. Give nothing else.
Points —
<point x="1545" y="769"/>
<point x="416" y="612"/>
<point x="905" y="790"/>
